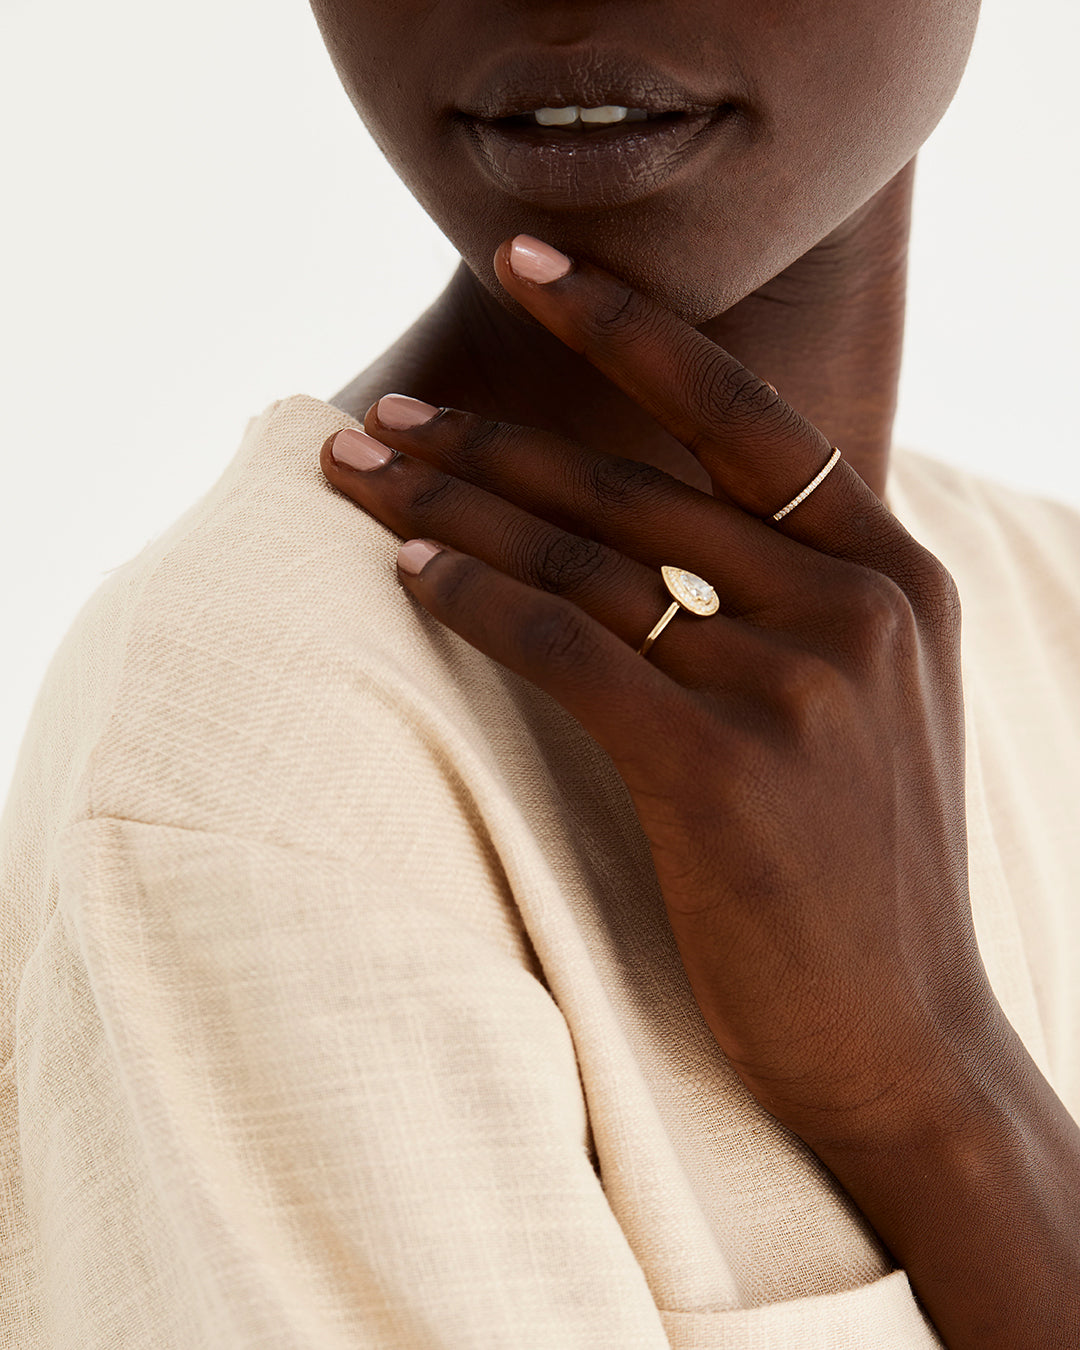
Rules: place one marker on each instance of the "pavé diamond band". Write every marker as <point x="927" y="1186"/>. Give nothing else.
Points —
<point x="809" y="487"/>
<point x="690" y="592"/>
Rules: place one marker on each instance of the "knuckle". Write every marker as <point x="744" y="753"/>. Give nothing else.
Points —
<point x="732" y="400"/>
<point x="806" y="692"/>
<point x="478" y="441"/>
<point x="434" y="492"/>
<point x="473" y="447"/>
<point x="614" y="485"/>
<point x="620" y="316"/>
<point x="564" y="562"/>
<point x="736" y="392"/>
<point x="879" y="621"/>
<point x="934" y="592"/>
<point x="880" y="608"/>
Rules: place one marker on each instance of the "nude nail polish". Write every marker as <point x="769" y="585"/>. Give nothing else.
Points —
<point x="533" y="260"/>
<point x="357" y="450"/>
<point x="399" y="412"/>
<point x="415" y="554"/>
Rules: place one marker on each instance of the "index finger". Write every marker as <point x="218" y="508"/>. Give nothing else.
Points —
<point x="757" y="449"/>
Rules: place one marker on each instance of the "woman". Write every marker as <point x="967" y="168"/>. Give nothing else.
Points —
<point x="529" y="946"/>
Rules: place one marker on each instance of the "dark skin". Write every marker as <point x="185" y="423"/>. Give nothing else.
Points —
<point x="848" y="293"/>
<point x="796" y="760"/>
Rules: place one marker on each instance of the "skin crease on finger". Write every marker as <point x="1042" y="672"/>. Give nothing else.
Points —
<point x="784" y="240"/>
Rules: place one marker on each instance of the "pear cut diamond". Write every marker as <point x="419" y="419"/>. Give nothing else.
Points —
<point x="691" y="591"/>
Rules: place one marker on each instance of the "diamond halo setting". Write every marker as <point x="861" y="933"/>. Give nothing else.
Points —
<point x="691" y="591"/>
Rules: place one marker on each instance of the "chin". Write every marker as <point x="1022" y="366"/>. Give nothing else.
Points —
<point x="696" y="276"/>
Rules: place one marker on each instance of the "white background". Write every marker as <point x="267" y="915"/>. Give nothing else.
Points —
<point x="195" y="223"/>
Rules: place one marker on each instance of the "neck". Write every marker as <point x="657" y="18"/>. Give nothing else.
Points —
<point x="827" y="333"/>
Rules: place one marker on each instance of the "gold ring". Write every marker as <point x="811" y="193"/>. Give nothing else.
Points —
<point x="809" y="487"/>
<point x="691" y="593"/>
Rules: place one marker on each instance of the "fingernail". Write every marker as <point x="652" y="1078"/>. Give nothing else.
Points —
<point x="360" y="451"/>
<point x="533" y="260"/>
<point x="399" y="412"/>
<point x="415" y="554"/>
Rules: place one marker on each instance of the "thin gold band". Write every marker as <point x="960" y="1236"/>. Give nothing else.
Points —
<point x="810" y="486"/>
<point x="669" y="614"/>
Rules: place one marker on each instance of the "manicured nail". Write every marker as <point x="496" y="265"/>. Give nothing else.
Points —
<point x="413" y="555"/>
<point x="533" y="260"/>
<point x="360" y="451"/>
<point x="399" y="412"/>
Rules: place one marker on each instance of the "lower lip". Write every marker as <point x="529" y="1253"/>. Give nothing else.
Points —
<point x="608" y="166"/>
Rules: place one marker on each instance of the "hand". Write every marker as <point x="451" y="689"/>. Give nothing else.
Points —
<point x="796" y="760"/>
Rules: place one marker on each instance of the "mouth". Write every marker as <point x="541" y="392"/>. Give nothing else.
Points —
<point x="573" y="117"/>
<point x="611" y="133"/>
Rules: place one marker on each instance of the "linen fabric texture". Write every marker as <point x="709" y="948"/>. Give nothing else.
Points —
<point x="340" y="1006"/>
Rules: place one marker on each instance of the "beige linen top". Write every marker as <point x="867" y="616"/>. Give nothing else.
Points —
<point x="340" y="1007"/>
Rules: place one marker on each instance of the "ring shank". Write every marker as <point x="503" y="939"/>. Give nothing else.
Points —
<point x="668" y="615"/>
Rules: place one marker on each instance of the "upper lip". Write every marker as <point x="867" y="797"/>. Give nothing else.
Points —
<point x="522" y="82"/>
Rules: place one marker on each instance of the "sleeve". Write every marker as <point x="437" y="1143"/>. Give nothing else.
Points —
<point x="291" y="1108"/>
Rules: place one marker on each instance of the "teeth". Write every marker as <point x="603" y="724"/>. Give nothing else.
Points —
<point x="610" y="113"/>
<point x="556" y="117"/>
<point x="572" y="116"/>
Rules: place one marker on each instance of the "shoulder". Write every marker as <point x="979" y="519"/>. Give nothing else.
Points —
<point x="966" y="510"/>
<point x="989" y="535"/>
<point x="263" y="641"/>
